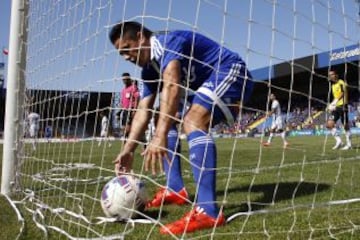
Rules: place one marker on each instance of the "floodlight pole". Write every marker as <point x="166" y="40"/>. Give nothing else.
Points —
<point x="15" y="94"/>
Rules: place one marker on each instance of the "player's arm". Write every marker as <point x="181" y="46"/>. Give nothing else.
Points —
<point x="136" y="99"/>
<point x="169" y="98"/>
<point x="269" y="113"/>
<point x="139" y="124"/>
<point x="119" y="105"/>
<point x="169" y="103"/>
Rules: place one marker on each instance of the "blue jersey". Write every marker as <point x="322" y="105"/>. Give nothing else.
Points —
<point x="200" y="57"/>
<point x="48" y="131"/>
<point x="212" y="75"/>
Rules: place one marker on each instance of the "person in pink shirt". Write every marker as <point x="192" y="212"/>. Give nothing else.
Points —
<point x="128" y="102"/>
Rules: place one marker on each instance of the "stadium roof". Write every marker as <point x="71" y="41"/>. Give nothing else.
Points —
<point x="321" y="60"/>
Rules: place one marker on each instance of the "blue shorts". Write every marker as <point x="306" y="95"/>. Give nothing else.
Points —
<point x="222" y="92"/>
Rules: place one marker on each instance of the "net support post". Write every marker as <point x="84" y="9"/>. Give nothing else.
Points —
<point x="15" y="95"/>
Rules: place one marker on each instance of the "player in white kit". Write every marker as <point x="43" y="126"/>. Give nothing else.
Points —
<point x="277" y="124"/>
<point x="104" y="128"/>
<point x="34" y="126"/>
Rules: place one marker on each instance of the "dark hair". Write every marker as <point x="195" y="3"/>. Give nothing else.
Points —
<point x="126" y="74"/>
<point x="103" y="112"/>
<point x="335" y="72"/>
<point x="128" y="28"/>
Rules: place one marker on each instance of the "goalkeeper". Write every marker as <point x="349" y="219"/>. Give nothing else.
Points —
<point x="338" y="109"/>
<point x="212" y="78"/>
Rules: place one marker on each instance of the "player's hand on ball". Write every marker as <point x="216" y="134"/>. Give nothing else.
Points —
<point x="154" y="153"/>
<point x="123" y="162"/>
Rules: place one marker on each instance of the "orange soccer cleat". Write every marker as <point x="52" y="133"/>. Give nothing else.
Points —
<point x="194" y="220"/>
<point x="164" y="196"/>
<point x="266" y="144"/>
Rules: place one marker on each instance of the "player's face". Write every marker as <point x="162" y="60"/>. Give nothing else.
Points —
<point x="127" y="81"/>
<point x="272" y="97"/>
<point x="332" y="77"/>
<point x="136" y="51"/>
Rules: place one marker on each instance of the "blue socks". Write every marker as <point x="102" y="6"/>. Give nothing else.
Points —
<point x="202" y="151"/>
<point x="173" y="172"/>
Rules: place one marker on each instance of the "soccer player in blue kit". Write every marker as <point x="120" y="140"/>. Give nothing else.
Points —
<point x="213" y="80"/>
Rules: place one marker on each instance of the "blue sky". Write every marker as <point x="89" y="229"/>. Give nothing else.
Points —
<point x="73" y="52"/>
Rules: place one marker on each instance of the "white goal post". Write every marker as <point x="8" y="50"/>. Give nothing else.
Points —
<point x="15" y="98"/>
<point x="64" y="74"/>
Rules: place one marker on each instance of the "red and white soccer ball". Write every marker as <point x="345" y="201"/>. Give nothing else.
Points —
<point x="122" y="195"/>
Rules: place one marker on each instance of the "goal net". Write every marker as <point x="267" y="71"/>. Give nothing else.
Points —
<point x="68" y="73"/>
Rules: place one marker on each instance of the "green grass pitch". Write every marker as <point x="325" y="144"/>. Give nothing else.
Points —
<point x="279" y="194"/>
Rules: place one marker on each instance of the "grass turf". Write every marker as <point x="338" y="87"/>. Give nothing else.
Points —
<point x="291" y="193"/>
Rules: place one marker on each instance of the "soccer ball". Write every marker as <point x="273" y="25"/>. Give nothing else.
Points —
<point x="332" y="107"/>
<point x="122" y="195"/>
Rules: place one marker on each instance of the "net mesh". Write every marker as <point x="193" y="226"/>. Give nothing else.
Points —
<point x="73" y="73"/>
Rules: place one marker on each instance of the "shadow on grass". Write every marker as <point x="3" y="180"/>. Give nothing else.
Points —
<point x="154" y="213"/>
<point x="272" y="193"/>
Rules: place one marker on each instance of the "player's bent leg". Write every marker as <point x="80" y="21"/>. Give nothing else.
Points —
<point x="283" y="137"/>
<point x="210" y="105"/>
<point x="33" y="142"/>
<point x="33" y="135"/>
<point x="175" y="192"/>
<point x="345" y="122"/>
<point x="346" y="147"/>
<point x="202" y="152"/>
<point x="271" y="135"/>
<point x="173" y="170"/>
<point x="330" y="124"/>
<point x="337" y="145"/>
<point x="338" y="141"/>
<point x="194" y="220"/>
